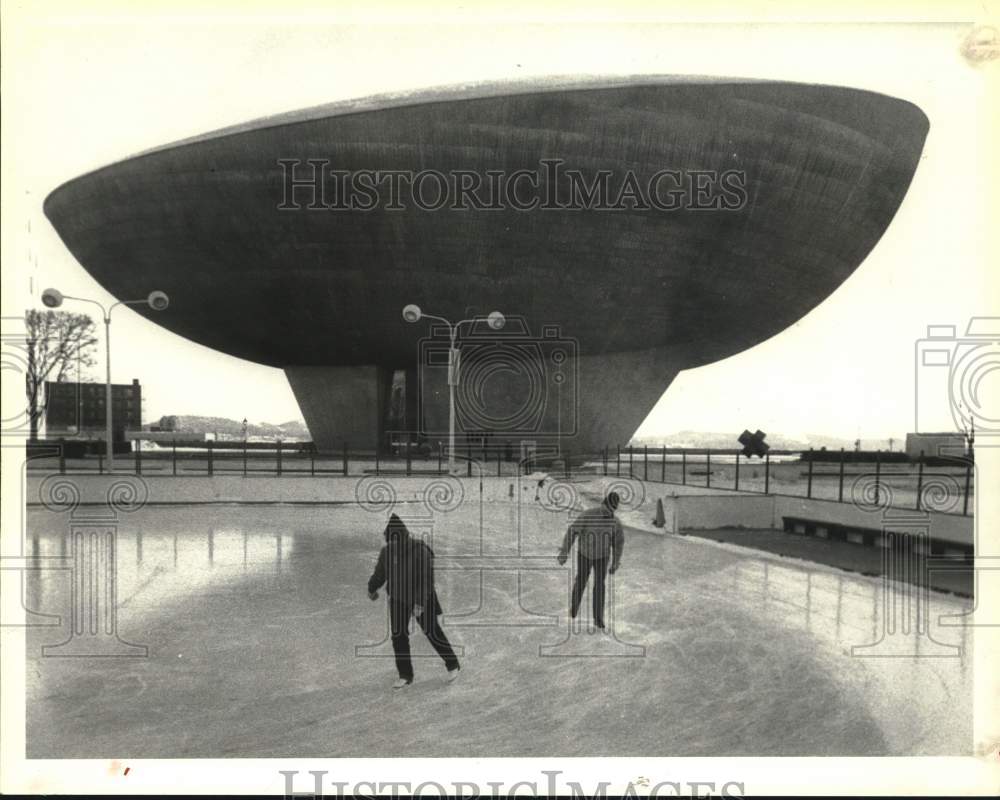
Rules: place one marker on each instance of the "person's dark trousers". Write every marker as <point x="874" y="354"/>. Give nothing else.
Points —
<point x="583" y="567"/>
<point x="399" y="619"/>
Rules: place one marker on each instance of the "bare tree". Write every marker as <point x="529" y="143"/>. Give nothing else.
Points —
<point x="57" y="341"/>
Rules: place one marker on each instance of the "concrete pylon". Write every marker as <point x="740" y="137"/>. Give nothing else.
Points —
<point x="343" y="405"/>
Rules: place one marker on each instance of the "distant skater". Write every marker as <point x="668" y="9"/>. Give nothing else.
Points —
<point x="599" y="536"/>
<point x="406" y="567"/>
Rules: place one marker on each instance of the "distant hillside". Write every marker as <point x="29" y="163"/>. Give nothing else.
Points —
<point x="779" y="441"/>
<point x="293" y="429"/>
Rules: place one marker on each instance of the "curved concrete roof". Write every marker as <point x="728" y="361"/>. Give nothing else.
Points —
<point x="825" y="171"/>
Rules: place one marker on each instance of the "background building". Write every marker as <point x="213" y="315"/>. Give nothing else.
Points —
<point x="936" y="444"/>
<point x="78" y="409"/>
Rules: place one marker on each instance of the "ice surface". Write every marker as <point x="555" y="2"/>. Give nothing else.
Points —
<point x="262" y="642"/>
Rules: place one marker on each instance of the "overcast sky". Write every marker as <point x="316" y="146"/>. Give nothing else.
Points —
<point x="82" y="92"/>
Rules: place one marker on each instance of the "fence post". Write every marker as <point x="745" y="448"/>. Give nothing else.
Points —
<point x="631" y="461"/>
<point x="618" y="459"/>
<point x="408" y="461"/>
<point x="138" y="457"/>
<point x="210" y="466"/>
<point x="968" y="484"/>
<point x="173" y="447"/>
<point x="498" y="462"/>
<point x="279" y="456"/>
<point x="708" y="468"/>
<point x="100" y="463"/>
<point x="840" y="488"/>
<point x="878" y="471"/>
<point x="736" y="480"/>
<point x="312" y="460"/>
<point x="62" y="456"/>
<point x="376" y="458"/>
<point x="920" y="478"/>
<point x="767" y="473"/>
<point x="440" y="448"/>
<point x="345" y="459"/>
<point x="244" y="458"/>
<point x="663" y="465"/>
<point x="645" y="462"/>
<point x="604" y="460"/>
<point x="684" y="467"/>
<point x="809" y="481"/>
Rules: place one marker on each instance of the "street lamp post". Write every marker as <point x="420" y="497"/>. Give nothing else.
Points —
<point x="156" y="300"/>
<point x="495" y="320"/>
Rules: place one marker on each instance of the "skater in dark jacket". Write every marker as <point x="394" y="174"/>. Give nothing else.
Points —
<point x="599" y="536"/>
<point x="406" y="567"/>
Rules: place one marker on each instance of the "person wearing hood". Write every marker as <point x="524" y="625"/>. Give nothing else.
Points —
<point x="405" y="567"/>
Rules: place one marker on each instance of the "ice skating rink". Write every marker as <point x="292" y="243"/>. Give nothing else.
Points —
<point x="262" y="642"/>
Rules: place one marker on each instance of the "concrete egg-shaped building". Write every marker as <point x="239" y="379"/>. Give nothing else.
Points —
<point x="250" y="232"/>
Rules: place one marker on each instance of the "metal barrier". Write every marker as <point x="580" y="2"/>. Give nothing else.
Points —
<point x="811" y="474"/>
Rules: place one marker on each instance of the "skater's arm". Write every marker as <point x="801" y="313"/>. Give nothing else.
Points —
<point x="568" y="539"/>
<point x="378" y="576"/>
<point x="617" y="545"/>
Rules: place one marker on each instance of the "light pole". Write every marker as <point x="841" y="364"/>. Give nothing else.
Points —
<point x="495" y="320"/>
<point x="156" y="300"/>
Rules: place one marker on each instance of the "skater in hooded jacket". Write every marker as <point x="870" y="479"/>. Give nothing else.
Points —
<point x="406" y="567"/>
